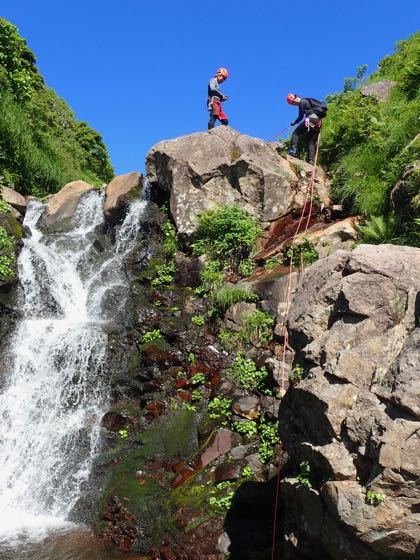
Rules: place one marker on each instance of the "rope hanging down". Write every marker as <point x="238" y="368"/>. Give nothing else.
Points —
<point x="285" y="335"/>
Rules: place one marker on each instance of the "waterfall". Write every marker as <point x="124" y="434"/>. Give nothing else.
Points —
<point x="55" y="392"/>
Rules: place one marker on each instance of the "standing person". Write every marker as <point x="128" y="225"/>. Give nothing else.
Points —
<point x="313" y="111"/>
<point x="216" y="97"/>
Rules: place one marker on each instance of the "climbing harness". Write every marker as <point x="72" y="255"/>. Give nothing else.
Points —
<point x="309" y="195"/>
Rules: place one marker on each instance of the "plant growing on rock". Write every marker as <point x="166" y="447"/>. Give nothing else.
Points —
<point x="271" y="263"/>
<point x="230" y="294"/>
<point x="248" y="472"/>
<point x="227" y="234"/>
<point x="7" y="256"/>
<point x="305" y="471"/>
<point x="257" y="328"/>
<point x="198" y="320"/>
<point x="152" y="336"/>
<point x="220" y="409"/>
<point x="198" y="379"/>
<point x="296" y="374"/>
<point x="268" y="432"/>
<point x="246" y="267"/>
<point x="302" y="251"/>
<point x="164" y="274"/>
<point x="245" y="373"/>
<point x="374" y="498"/>
<point x="4" y="206"/>
<point x="170" y="243"/>
<point x="246" y="428"/>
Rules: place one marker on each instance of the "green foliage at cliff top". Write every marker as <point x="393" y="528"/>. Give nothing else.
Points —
<point x="42" y="145"/>
<point x="367" y="144"/>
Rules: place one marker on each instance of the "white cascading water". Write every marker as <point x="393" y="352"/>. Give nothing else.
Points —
<point x="55" y="393"/>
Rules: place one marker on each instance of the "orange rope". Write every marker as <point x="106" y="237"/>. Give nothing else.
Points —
<point x="309" y="194"/>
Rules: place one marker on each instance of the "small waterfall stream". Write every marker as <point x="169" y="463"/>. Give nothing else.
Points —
<point x="55" y="393"/>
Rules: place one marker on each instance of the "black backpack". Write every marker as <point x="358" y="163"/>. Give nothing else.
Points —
<point x="320" y="108"/>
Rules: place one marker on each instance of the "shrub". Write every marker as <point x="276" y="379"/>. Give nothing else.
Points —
<point x="379" y="229"/>
<point x="220" y="408"/>
<point x="227" y="235"/>
<point x="302" y="251"/>
<point x="257" y="328"/>
<point x="305" y="474"/>
<point x="7" y="256"/>
<point x="164" y="274"/>
<point x="230" y="294"/>
<point x="245" y="373"/>
<point x="247" y="428"/>
<point x="170" y="239"/>
<point x="268" y="432"/>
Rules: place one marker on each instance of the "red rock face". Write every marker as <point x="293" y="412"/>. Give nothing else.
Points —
<point x="120" y="525"/>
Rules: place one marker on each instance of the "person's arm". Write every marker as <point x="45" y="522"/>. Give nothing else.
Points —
<point x="303" y="106"/>
<point x="214" y="89"/>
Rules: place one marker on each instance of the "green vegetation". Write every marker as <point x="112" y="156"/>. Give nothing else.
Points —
<point x="198" y="379"/>
<point x="367" y="144"/>
<point x="42" y="145"/>
<point x="198" y="320"/>
<point x="301" y="251"/>
<point x="257" y="328"/>
<point x="152" y="336"/>
<point x="247" y="428"/>
<point x="170" y="239"/>
<point x="7" y="255"/>
<point x="305" y="474"/>
<point x="269" y="437"/>
<point x="164" y="274"/>
<point x="296" y="374"/>
<point x="245" y="373"/>
<point x="123" y="434"/>
<point x="271" y="263"/>
<point x="374" y="498"/>
<point x="226" y="235"/>
<point x="230" y="294"/>
<point x="220" y="408"/>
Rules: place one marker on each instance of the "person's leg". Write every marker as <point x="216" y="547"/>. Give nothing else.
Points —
<point x="211" y="121"/>
<point x="297" y="133"/>
<point x="313" y="137"/>
<point x="224" y="121"/>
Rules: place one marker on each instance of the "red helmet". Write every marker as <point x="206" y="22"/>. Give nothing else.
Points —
<point x="291" y="98"/>
<point x="222" y="72"/>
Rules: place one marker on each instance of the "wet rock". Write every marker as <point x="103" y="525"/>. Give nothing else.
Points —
<point x="222" y="443"/>
<point x="341" y="235"/>
<point x="62" y="206"/>
<point x="115" y="421"/>
<point x="118" y="195"/>
<point x="227" y="471"/>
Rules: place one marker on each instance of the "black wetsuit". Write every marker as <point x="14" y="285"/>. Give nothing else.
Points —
<point x="311" y="128"/>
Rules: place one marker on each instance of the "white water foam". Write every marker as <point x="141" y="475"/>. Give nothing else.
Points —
<point x="55" y="393"/>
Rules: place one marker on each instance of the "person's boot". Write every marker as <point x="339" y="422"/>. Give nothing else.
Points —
<point x="292" y="152"/>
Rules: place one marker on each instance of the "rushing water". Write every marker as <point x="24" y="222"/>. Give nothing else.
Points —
<point x="55" y="392"/>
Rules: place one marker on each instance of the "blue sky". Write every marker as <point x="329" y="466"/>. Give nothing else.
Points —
<point x="137" y="71"/>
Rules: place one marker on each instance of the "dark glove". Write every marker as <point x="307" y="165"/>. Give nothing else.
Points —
<point x="225" y="98"/>
<point x="292" y="124"/>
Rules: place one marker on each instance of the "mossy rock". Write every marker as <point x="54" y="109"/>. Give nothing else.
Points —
<point x="11" y="225"/>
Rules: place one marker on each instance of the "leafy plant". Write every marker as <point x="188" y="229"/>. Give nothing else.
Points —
<point x="170" y="239"/>
<point x="247" y="428"/>
<point x="220" y="408"/>
<point x="164" y="274"/>
<point x="271" y="263"/>
<point x="4" y="206"/>
<point x="192" y="358"/>
<point x="257" y="328"/>
<point x="211" y="277"/>
<point x="123" y="433"/>
<point x="302" y="250"/>
<point x="305" y="474"/>
<point x="7" y="256"/>
<point x="196" y="395"/>
<point x="379" y="229"/>
<point x="197" y="379"/>
<point x="248" y="472"/>
<point x="268" y="432"/>
<point x="297" y="373"/>
<point x="230" y="294"/>
<point x="374" y="498"/>
<point x="198" y="320"/>
<point x="226" y="234"/>
<point x="246" y="374"/>
<point x="246" y="267"/>
<point x="152" y="336"/>
<point x="5" y="266"/>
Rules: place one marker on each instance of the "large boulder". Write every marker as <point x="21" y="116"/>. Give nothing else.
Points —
<point x="62" y="206"/>
<point x="15" y="199"/>
<point x="380" y="90"/>
<point x="118" y="195"/>
<point x="355" y="417"/>
<point x="222" y="166"/>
